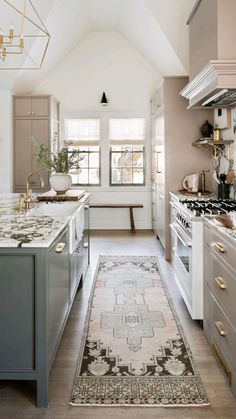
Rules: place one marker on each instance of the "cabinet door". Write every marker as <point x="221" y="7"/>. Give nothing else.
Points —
<point x="76" y="269"/>
<point x="17" y="328"/>
<point x="160" y="215"/>
<point x="22" y="152"/>
<point x="40" y="107"/>
<point x="40" y="133"/>
<point x="22" y="106"/>
<point x="86" y="240"/>
<point x="58" y="291"/>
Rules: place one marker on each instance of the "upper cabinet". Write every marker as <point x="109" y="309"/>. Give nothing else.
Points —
<point x="34" y="118"/>
<point x="212" y="54"/>
<point x="212" y="30"/>
<point x="31" y="107"/>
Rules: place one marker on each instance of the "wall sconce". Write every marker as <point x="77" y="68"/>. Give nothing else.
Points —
<point x="104" y="101"/>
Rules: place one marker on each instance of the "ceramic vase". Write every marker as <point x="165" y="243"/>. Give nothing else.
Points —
<point x="60" y="182"/>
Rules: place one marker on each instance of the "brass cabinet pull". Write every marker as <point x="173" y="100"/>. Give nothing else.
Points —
<point x="220" y="247"/>
<point x="60" y="247"/>
<point x="220" y="327"/>
<point x="220" y="282"/>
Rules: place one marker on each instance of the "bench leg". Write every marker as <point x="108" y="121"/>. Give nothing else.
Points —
<point x="132" y="220"/>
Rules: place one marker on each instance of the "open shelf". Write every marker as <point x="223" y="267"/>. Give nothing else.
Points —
<point x="216" y="148"/>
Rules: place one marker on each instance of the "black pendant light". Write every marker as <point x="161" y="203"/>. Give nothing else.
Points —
<point x="104" y="101"/>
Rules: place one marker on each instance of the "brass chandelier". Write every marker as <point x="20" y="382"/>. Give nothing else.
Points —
<point x="18" y="47"/>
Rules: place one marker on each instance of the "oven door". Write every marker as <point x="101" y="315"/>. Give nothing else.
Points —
<point x="182" y="250"/>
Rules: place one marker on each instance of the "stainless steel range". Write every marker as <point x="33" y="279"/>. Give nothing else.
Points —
<point x="187" y="217"/>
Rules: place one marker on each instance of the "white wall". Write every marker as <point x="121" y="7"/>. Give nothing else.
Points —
<point x="105" y="61"/>
<point x="6" y="157"/>
<point x="102" y="61"/>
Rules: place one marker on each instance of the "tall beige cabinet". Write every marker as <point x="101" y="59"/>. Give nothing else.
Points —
<point x="174" y="129"/>
<point x="34" y="118"/>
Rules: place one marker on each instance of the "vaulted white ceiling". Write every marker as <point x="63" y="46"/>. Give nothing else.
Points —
<point x="156" y="28"/>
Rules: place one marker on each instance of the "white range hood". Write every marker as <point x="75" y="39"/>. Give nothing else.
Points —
<point x="214" y="86"/>
<point x="212" y="55"/>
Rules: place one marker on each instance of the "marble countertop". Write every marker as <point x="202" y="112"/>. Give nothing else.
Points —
<point x="9" y="204"/>
<point x="227" y="232"/>
<point x="26" y="230"/>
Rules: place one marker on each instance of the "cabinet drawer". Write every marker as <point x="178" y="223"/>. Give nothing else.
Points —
<point x="221" y="330"/>
<point x="222" y="282"/>
<point x="220" y="246"/>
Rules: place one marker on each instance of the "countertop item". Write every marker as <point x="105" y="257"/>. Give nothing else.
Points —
<point x="70" y="195"/>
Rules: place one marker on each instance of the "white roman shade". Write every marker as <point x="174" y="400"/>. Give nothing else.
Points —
<point x="127" y="131"/>
<point x="82" y="132"/>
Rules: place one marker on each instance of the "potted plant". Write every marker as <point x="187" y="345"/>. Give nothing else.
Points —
<point x="58" y="164"/>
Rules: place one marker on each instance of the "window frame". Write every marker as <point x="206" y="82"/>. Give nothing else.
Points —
<point x="86" y="144"/>
<point x="99" y="168"/>
<point x="111" y="167"/>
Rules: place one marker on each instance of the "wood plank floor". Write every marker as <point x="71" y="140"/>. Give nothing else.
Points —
<point x="17" y="398"/>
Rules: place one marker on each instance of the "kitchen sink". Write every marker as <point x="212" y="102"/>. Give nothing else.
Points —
<point x="54" y="209"/>
<point x="66" y="209"/>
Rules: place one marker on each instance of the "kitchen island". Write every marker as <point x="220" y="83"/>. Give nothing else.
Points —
<point x="43" y="258"/>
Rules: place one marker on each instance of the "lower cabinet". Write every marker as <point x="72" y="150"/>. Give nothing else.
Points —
<point x="58" y="289"/>
<point x="79" y="256"/>
<point x="76" y="269"/>
<point x="219" y="302"/>
<point x="17" y="319"/>
<point x="35" y="301"/>
<point x="86" y="240"/>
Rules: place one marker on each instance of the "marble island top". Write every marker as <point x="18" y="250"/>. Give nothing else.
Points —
<point x="26" y="230"/>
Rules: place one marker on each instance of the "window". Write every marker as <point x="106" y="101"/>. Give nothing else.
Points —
<point x="83" y="136"/>
<point x="127" y="165"/>
<point x="127" y="138"/>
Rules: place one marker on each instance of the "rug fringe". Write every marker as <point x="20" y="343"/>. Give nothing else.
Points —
<point x="137" y="405"/>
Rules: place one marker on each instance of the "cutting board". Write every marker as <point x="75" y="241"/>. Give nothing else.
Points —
<point x="70" y="195"/>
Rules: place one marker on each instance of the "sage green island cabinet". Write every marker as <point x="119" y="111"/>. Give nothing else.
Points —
<point x="35" y="303"/>
<point x="219" y="297"/>
<point x="44" y="256"/>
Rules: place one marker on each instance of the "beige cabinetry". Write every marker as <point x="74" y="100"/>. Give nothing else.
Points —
<point x="35" y="118"/>
<point x="174" y="128"/>
<point x="211" y="30"/>
<point x="219" y="300"/>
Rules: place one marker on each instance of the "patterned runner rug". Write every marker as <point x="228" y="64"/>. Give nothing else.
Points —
<point x="133" y="351"/>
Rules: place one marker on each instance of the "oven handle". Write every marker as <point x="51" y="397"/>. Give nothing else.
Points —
<point x="175" y="231"/>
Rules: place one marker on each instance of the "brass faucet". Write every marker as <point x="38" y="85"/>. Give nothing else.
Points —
<point x="27" y="198"/>
<point x="21" y="200"/>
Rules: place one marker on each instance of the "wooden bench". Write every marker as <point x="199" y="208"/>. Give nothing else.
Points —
<point x="130" y="206"/>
